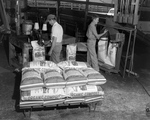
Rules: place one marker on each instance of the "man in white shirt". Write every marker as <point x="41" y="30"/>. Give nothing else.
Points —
<point x="56" y="39"/>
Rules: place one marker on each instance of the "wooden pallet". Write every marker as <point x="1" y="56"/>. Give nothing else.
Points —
<point x="27" y="111"/>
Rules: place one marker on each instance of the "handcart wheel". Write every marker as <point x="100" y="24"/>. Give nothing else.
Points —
<point x="92" y="106"/>
<point x="27" y="113"/>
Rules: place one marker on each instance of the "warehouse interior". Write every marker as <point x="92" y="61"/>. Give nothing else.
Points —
<point x="127" y="87"/>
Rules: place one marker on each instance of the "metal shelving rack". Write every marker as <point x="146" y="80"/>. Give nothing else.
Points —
<point x="126" y="12"/>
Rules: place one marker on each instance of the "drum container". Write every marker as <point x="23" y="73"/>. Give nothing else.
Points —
<point x="27" y="27"/>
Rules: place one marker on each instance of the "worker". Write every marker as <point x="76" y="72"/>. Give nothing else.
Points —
<point x="56" y="38"/>
<point x="92" y="36"/>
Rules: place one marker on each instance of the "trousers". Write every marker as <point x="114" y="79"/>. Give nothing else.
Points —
<point x="55" y="56"/>
<point x="91" y="54"/>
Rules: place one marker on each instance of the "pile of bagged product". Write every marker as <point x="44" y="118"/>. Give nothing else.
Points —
<point x="45" y="83"/>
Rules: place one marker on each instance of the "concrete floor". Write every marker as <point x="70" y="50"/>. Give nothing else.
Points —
<point x="125" y="99"/>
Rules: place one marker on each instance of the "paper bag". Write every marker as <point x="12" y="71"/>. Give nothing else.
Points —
<point x="71" y="52"/>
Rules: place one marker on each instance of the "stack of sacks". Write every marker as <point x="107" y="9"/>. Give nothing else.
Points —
<point x="83" y="94"/>
<point x="31" y="78"/>
<point x="33" y="84"/>
<point x="94" y="80"/>
<point x="54" y="87"/>
<point x="31" y="87"/>
<point x="45" y="83"/>
<point x="74" y="78"/>
<point x="77" y="71"/>
<point x="81" y="82"/>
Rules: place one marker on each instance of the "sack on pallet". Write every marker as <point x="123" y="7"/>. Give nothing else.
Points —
<point x="53" y="93"/>
<point x="70" y="64"/>
<point x="102" y="50"/>
<point x="111" y="55"/>
<point x="26" y="104"/>
<point x="54" y="102"/>
<point x="40" y="64"/>
<point x="93" y="76"/>
<point x="93" y="99"/>
<point x="31" y="78"/>
<point x="31" y="95"/>
<point x="74" y="101"/>
<point x="83" y="90"/>
<point x="74" y="77"/>
<point x="53" y="78"/>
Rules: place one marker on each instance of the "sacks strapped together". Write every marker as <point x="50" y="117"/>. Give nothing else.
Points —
<point x="46" y="83"/>
<point x="107" y="52"/>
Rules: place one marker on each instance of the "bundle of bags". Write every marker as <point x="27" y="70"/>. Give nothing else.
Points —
<point x="46" y="83"/>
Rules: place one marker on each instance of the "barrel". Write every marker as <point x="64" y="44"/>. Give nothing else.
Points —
<point x="27" y="27"/>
